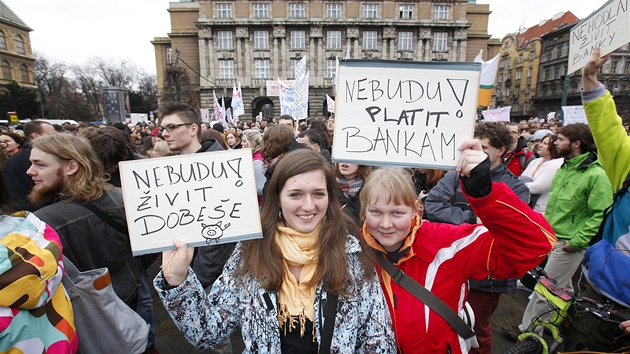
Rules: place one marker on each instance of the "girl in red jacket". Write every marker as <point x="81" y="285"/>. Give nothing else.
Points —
<point x="442" y="257"/>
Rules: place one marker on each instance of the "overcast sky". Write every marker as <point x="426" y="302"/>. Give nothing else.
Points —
<point x="73" y="31"/>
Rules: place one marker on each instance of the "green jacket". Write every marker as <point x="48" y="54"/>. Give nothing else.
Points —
<point x="580" y="191"/>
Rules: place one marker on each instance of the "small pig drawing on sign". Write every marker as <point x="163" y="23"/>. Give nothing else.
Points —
<point x="213" y="231"/>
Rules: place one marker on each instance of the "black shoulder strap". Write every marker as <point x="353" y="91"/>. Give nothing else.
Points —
<point x="105" y="217"/>
<point x="330" y="312"/>
<point x="428" y="298"/>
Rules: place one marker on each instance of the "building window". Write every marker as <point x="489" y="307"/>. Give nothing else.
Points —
<point x="520" y="58"/>
<point x="224" y="10"/>
<point x="6" y="70"/>
<point x="333" y="10"/>
<point x="562" y="69"/>
<point x="406" y="12"/>
<point x="440" y="40"/>
<point x="261" y="10"/>
<point x="331" y="69"/>
<point x="554" y="53"/>
<point x="528" y="89"/>
<point x="370" y="40"/>
<point x="226" y="69"/>
<point x="547" y="75"/>
<point x="532" y="55"/>
<point x="626" y="69"/>
<point x="297" y="10"/>
<point x="169" y="55"/>
<point x="225" y="40"/>
<point x="19" y="44"/>
<point x="261" y="39"/>
<point x="556" y="73"/>
<point x="526" y="108"/>
<point x="519" y="74"/>
<point x="262" y="69"/>
<point x="565" y="50"/>
<point x="613" y="66"/>
<point x="370" y="10"/>
<point x="530" y="72"/>
<point x="333" y="40"/>
<point x="298" y="40"/>
<point x="405" y="41"/>
<point x="441" y="12"/>
<point x="3" y="42"/>
<point x="24" y="73"/>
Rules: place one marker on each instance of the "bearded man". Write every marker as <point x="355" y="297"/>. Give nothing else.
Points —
<point x="69" y="177"/>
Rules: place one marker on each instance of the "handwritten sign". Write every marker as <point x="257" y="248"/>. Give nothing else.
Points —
<point x="404" y="113"/>
<point x="574" y="114"/>
<point x="201" y="199"/>
<point x="606" y="28"/>
<point x="497" y="115"/>
<point x="273" y="86"/>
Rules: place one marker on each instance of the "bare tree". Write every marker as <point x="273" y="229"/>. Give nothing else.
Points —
<point x="114" y="73"/>
<point x="177" y="86"/>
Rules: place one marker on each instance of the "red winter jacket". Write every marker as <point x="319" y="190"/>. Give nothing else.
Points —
<point x="517" y="161"/>
<point x="442" y="257"/>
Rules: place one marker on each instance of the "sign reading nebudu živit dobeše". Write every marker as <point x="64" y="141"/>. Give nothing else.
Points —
<point x="200" y="199"/>
<point x="404" y="113"/>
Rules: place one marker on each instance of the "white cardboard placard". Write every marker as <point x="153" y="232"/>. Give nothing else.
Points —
<point x="201" y="199"/>
<point x="404" y="113"/>
<point x="606" y="28"/>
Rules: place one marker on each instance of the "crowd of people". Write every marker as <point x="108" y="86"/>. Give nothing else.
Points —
<point x="522" y="195"/>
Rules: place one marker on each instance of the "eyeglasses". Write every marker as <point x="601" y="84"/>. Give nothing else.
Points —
<point x="170" y="127"/>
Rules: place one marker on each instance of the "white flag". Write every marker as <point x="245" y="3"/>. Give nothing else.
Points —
<point x="237" y="101"/>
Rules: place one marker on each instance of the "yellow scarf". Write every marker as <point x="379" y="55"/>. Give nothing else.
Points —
<point x="297" y="299"/>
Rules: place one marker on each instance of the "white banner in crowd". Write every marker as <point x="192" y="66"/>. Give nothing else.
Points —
<point x="606" y="28"/>
<point x="273" y="86"/>
<point x="404" y="113"/>
<point x="201" y="199"/>
<point x="286" y="96"/>
<point x="205" y="115"/>
<point x="497" y="115"/>
<point x="574" y="114"/>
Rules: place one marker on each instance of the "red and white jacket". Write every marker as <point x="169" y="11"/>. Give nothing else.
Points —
<point x="442" y="257"/>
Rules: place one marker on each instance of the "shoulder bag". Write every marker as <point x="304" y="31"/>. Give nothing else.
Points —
<point x="104" y="323"/>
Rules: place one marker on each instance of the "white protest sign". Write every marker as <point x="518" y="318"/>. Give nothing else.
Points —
<point x="607" y="29"/>
<point x="497" y="115"/>
<point x="404" y="113"/>
<point x="201" y="199"/>
<point x="273" y="86"/>
<point x="574" y="114"/>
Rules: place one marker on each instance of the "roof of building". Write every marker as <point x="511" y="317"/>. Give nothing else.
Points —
<point x="544" y="27"/>
<point x="8" y="15"/>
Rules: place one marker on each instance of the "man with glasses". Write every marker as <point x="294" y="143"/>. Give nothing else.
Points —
<point x="180" y="127"/>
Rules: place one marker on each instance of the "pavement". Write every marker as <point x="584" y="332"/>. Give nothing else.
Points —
<point x="169" y="339"/>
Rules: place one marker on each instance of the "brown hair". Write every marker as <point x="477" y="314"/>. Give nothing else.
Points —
<point x="88" y="183"/>
<point x="110" y="145"/>
<point x="582" y="133"/>
<point x="185" y="112"/>
<point x="362" y="170"/>
<point x="213" y="134"/>
<point x="19" y="140"/>
<point x="276" y="141"/>
<point x="234" y="133"/>
<point x="553" y="152"/>
<point x="262" y="258"/>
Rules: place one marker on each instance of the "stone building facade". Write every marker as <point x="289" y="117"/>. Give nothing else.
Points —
<point x="519" y="66"/>
<point x="17" y="62"/>
<point x="253" y="42"/>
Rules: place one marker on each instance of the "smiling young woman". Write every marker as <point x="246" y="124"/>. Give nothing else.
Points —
<point x="276" y="288"/>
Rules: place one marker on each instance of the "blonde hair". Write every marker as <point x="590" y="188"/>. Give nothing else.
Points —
<point x="395" y="184"/>
<point x="89" y="182"/>
<point x="161" y="149"/>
